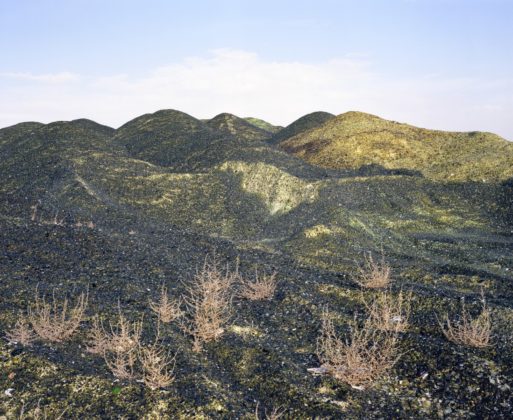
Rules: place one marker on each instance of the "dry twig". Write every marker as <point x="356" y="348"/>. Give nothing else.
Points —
<point x="56" y="322"/>
<point x="263" y="287"/>
<point x="469" y="331"/>
<point x="367" y="356"/>
<point x="98" y="341"/>
<point x="374" y="274"/>
<point x="157" y="364"/>
<point x="275" y="414"/>
<point x="21" y="333"/>
<point x="209" y="303"/>
<point x="390" y="313"/>
<point x="167" y="309"/>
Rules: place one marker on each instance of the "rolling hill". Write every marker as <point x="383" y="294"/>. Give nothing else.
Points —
<point x="356" y="139"/>
<point x="264" y="125"/>
<point x="231" y="125"/>
<point x="122" y="212"/>
<point x="305" y="123"/>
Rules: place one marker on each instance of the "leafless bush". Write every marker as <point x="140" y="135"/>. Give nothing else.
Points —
<point x="367" y="356"/>
<point x="275" y="414"/>
<point x="21" y="333"/>
<point x="263" y="287"/>
<point x="157" y="365"/>
<point x="469" y="331"/>
<point x="127" y="357"/>
<point x="98" y="341"/>
<point x="209" y="303"/>
<point x="39" y="413"/>
<point x="54" y="321"/>
<point x="390" y="313"/>
<point x="374" y="274"/>
<point x="167" y="309"/>
<point x="121" y="346"/>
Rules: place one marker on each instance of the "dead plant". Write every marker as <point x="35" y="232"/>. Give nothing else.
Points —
<point x="122" y="365"/>
<point x="54" y="321"/>
<point x="275" y="414"/>
<point x="388" y="312"/>
<point x="98" y="341"/>
<point x="360" y="361"/>
<point x="157" y="365"/>
<point x="21" y="333"/>
<point x="209" y="303"/>
<point x="166" y="309"/>
<point x="263" y="287"/>
<point x="469" y="331"/>
<point x="121" y="347"/>
<point x="374" y="274"/>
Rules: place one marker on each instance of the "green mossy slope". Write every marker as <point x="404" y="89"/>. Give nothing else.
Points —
<point x="264" y="125"/>
<point x="355" y="139"/>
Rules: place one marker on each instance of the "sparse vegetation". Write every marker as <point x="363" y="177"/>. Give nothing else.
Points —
<point x="261" y="288"/>
<point x="361" y="360"/>
<point x="122" y="348"/>
<point x="374" y="274"/>
<point x="166" y="309"/>
<point x="209" y="303"/>
<point x="56" y="322"/>
<point x="389" y="312"/>
<point x="274" y="414"/>
<point x="121" y="345"/>
<point x="98" y="341"/>
<point x="468" y="330"/>
<point x="157" y="365"/>
<point x="22" y="333"/>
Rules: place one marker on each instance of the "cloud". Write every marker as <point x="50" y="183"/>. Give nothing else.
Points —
<point x="63" y="77"/>
<point x="243" y="83"/>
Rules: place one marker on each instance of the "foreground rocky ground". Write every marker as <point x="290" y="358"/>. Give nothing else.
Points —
<point x="265" y="354"/>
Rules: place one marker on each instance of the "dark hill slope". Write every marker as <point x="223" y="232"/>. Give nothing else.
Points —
<point x="355" y="139"/>
<point x="9" y="134"/>
<point x="231" y="125"/>
<point x="183" y="143"/>
<point x="37" y="163"/>
<point x="306" y="122"/>
<point x="166" y="138"/>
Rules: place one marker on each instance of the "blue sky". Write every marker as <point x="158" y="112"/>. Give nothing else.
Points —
<point x="444" y="64"/>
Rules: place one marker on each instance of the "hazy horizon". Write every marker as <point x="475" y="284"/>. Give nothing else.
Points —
<point x="438" y="64"/>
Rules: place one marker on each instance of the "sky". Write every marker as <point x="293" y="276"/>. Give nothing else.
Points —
<point x="441" y="64"/>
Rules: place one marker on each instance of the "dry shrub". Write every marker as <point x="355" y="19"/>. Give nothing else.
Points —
<point x="275" y="414"/>
<point x="166" y="309"/>
<point x="157" y="365"/>
<point x="98" y="341"/>
<point x="374" y="274"/>
<point x="209" y="303"/>
<point x="21" y="333"/>
<point x="390" y="313"/>
<point x="121" y="346"/>
<point x="469" y="331"/>
<point x="125" y="355"/>
<point x="366" y="357"/>
<point x="54" y="321"/>
<point x="263" y="287"/>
